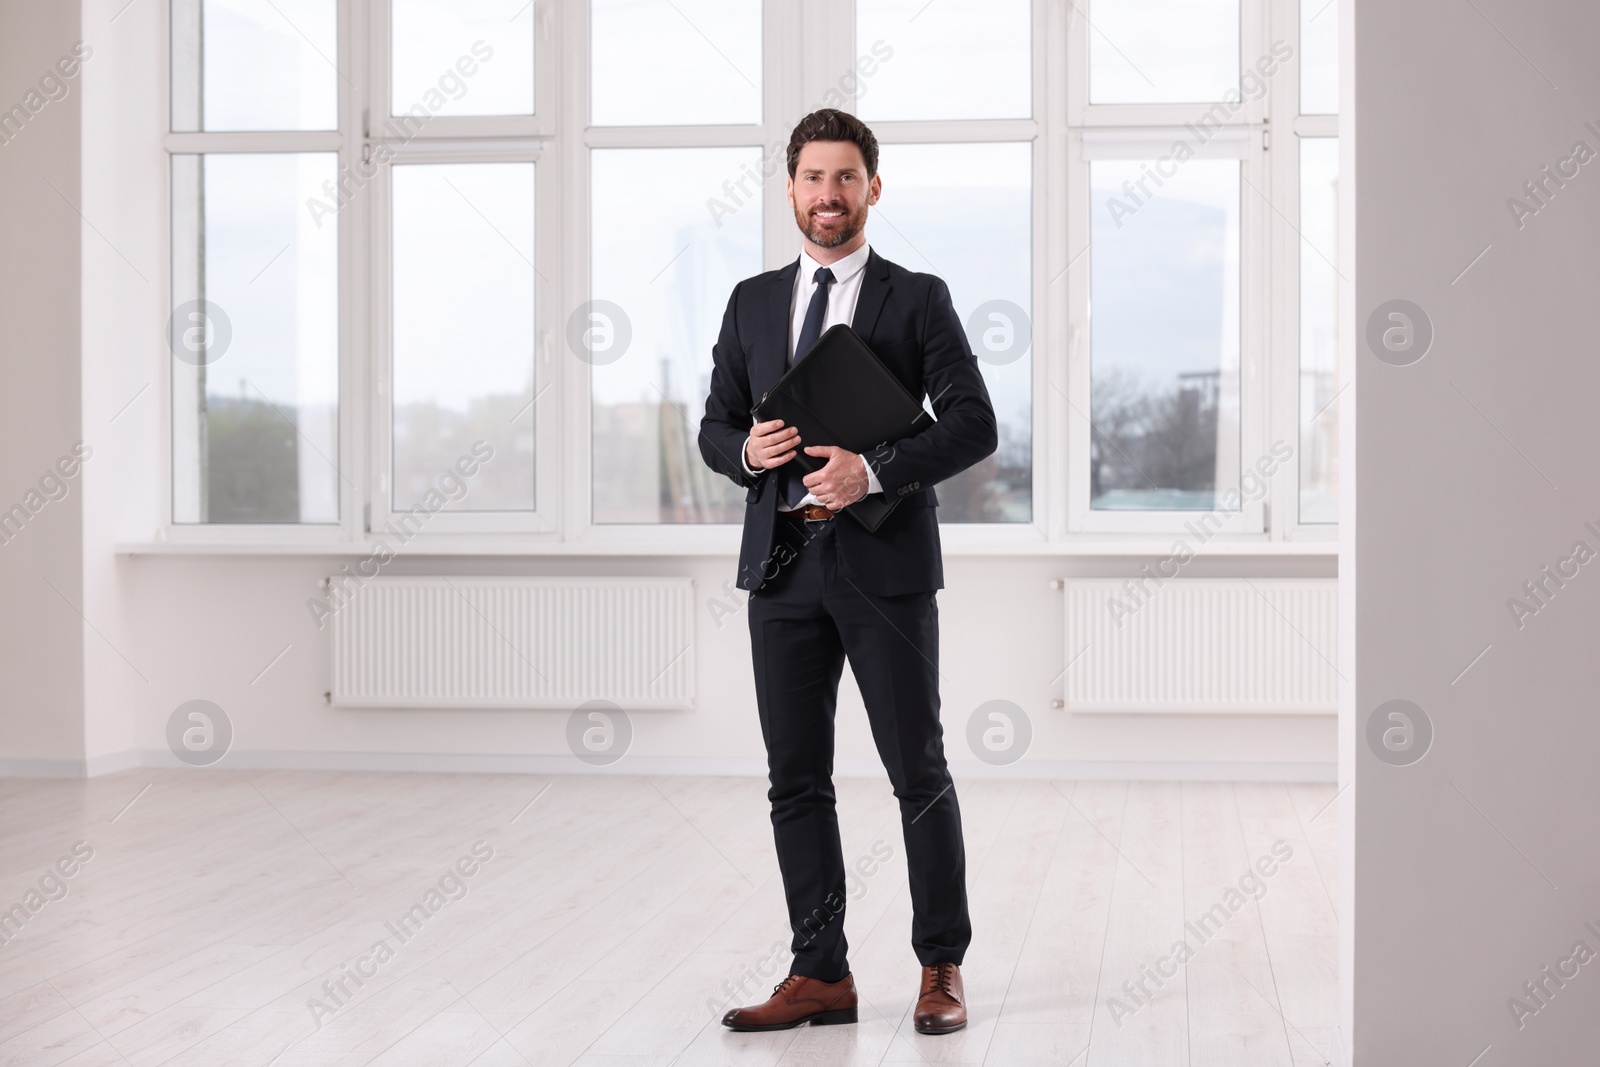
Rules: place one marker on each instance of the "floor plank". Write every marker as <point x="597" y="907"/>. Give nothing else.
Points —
<point x="1234" y="1016"/>
<point x="225" y="917"/>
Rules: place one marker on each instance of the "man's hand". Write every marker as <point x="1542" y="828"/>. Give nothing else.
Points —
<point x="770" y="445"/>
<point x="842" y="482"/>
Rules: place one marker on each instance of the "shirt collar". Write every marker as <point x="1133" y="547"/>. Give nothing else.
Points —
<point x="843" y="270"/>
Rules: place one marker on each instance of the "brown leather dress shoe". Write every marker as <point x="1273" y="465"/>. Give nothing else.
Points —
<point x="796" y="1000"/>
<point x="942" y="1004"/>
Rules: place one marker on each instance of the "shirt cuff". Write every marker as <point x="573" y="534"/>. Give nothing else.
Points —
<point x="743" y="462"/>
<point x="873" y="485"/>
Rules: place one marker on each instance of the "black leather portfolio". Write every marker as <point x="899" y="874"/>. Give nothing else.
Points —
<point x="841" y="394"/>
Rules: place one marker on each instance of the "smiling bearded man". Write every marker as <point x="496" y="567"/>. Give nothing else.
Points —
<point x="823" y="590"/>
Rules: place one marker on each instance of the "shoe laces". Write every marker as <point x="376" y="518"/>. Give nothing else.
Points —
<point x="943" y="975"/>
<point x="781" y="986"/>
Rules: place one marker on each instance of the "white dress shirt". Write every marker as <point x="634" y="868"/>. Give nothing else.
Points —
<point x="842" y="296"/>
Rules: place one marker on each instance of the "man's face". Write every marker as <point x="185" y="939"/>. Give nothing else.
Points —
<point x="830" y="192"/>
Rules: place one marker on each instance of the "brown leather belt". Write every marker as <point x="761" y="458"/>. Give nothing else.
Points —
<point x="812" y="513"/>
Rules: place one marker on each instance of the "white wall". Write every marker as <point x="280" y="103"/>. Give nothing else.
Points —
<point x="208" y="625"/>
<point x="1475" y="867"/>
<point x="124" y="342"/>
<point x="41" y="632"/>
<point x="177" y="628"/>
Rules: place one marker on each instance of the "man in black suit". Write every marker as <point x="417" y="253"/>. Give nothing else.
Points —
<point x="823" y="589"/>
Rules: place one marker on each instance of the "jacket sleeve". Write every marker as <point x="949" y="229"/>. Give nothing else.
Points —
<point x="965" y="431"/>
<point x="726" y="425"/>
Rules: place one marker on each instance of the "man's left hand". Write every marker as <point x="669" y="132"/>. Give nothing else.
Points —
<point x="842" y="482"/>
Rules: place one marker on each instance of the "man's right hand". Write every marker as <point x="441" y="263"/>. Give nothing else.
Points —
<point x="771" y="444"/>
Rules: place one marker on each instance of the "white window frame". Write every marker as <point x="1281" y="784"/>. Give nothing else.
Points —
<point x="1286" y="264"/>
<point x="351" y="413"/>
<point x="466" y="139"/>
<point x="1147" y="131"/>
<point x="781" y="25"/>
<point x="1151" y="142"/>
<point x="544" y="416"/>
<point x="1065" y="132"/>
<point x="1035" y="533"/>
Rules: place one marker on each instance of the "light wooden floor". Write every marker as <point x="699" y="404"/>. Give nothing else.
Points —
<point x="615" y="909"/>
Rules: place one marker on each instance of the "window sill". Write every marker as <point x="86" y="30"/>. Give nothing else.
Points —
<point x="957" y="542"/>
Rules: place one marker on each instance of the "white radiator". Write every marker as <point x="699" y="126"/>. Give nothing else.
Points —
<point x="515" y="643"/>
<point x="1202" y="645"/>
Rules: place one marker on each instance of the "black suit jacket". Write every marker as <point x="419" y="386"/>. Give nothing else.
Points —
<point x="910" y="322"/>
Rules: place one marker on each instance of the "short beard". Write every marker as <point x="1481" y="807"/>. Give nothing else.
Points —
<point x="847" y="232"/>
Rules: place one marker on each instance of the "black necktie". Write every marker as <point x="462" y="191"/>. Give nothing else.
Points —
<point x="790" y="474"/>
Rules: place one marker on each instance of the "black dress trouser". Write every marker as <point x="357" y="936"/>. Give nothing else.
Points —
<point x="808" y="617"/>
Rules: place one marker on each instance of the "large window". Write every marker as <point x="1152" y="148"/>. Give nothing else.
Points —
<point x="1319" y="334"/>
<point x="674" y="62"/>
<point x="460" y="264"/>
<point x="427" y="38"/>
<point x="462" y="356"/>
<point x="1162" y="51"/>
<point x="958" y="201"/>
<point x="945" y="61"/>
<point x="669" y="80"/>
<point x="1164" y="334"/>
<point x="254" y="329"/>
<point x="1199" y="268"/>
<point x="1318" y="263"/>
<point x="661" y="270"/>
<point x="255" y="340"/>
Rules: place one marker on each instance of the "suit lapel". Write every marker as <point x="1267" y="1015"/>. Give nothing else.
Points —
<point x="874" y="290"/>
<point x="772" y="357"/>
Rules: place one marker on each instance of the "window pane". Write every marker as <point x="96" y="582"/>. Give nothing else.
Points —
<point x="255" y="340"/>
<point x="986" y="259"/>
<point x="1164" y="336"/>
<point x="1319" y="57"/>
<point x="254" y="65"/>
<point x="675" y="62"/>
<point x="1319" y="329"/>
<point x="666" y="270"/>
<point x="941" y="61"/>
<point x="464" y="332"/>
<point x="462" y="57"/>
<point x="1162" y="51"/>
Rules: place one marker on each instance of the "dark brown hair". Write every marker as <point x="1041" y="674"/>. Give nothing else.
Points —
<point x="830" y="124"/>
